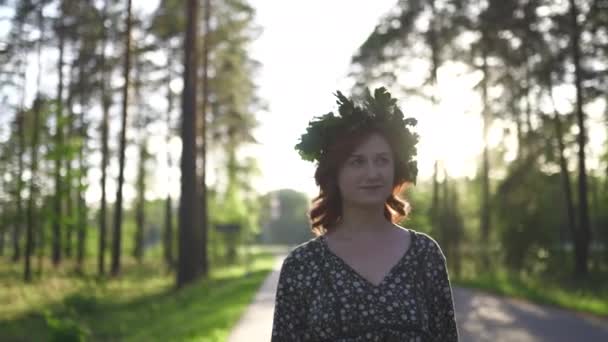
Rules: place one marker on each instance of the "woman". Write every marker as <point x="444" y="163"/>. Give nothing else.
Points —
<point x="363" y="278"/>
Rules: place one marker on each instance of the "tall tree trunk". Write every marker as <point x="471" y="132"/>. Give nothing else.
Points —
<point x="139" y="214"/>
<point x="31" y="205"/>
<point x="583" y="238"/>
<point x="168" y="236"/>
<point x="567" y="184"/>
<point x="188" y="256"/>
<point x="563" y="165"/>
<point x="203" y="255"/>
<point x="81" y="209"/>
<point x="527" y="72"/>
<point x="57" y="222"/>
<point x="138" y="237"/>
<point x="485" y="182"/>
<point x="117" y="239"/>
<point x="444" y="221"/>
<point x="19" y="217"/>
<point x="105" y="104"/>
<point x="68" y="180"/>
<point x="434" y="210"/>
<point x="3" y="231"/>
<point x="17" y="227"/>
<point x="519" y="129"/>
<point x="432" y="39"/>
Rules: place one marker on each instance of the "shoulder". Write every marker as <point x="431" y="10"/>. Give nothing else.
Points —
<point x="303" y="255"/>
<point x="300" y="267"/>
<point x="427" y="245"/>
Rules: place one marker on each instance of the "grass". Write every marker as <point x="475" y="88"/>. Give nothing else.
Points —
<point x="140" y="305"/>
<point x="588" y="295"/>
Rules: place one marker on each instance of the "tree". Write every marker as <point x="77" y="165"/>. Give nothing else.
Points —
<point x="143" y="121"/>
<point x="203" y="258"/>
<point x="31" y="205"/>
<point x="117" y="233"/>
<point x="106" y="102"/>
<point x="583" y="238"/>
<point x="188" y="270"/>
<point x="391" y="42"/>
<point x="59" y="132"/>
<point x="168" y="229"/>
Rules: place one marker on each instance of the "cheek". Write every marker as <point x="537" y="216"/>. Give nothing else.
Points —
<point x="390" y="174"/>
<point x="347" y="180"/>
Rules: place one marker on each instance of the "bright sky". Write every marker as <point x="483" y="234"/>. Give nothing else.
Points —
<point x="305" y="50"/>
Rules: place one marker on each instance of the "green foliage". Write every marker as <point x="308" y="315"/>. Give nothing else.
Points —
<point x="82" y="303"/>
<point x="557" y="288"/>
<point x="530" y="209"/>
<point x="379" y="110"/>
<point x="141" y="305"/>
<point x="65" y="329"/>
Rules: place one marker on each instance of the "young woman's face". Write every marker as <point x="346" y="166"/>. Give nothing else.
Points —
<point x="366" y="177"/>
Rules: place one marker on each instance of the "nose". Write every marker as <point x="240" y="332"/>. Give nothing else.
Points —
<point x="373" y="172"/>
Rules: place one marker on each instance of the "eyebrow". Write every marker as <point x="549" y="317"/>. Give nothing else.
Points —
<point x="354" y="155"/>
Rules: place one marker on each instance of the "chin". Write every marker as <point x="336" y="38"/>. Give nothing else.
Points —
<point x="369" y="201"/>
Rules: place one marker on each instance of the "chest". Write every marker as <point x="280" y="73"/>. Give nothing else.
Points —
<point x="371" y="261"/>
<point x="352" y="296"/>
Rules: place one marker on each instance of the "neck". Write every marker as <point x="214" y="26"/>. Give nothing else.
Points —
<point x="362" y="219"/>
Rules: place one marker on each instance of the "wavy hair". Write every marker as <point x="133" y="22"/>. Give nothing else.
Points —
<point x="326" y="208"/>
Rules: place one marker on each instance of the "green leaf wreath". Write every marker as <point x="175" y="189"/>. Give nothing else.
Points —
<point x="378" y="111"/>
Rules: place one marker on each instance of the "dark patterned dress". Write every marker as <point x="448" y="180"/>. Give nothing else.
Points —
<point x="321" y="298"/>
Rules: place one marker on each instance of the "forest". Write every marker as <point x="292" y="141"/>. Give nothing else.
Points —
<point x="124" y="192"/>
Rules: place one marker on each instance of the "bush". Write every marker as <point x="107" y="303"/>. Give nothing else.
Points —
<point x="65" y="329"/>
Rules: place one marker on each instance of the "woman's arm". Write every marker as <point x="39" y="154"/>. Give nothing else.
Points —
<point x="290" y="304"/>
<point x="439" y="296"/>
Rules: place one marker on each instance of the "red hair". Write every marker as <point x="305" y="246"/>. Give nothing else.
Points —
<point x="326" y="208"/>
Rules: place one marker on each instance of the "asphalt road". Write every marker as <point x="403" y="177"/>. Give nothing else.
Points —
<point x="480" y="317"/>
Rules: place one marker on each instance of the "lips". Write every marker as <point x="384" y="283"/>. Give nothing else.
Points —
<point x="371" y="187"/>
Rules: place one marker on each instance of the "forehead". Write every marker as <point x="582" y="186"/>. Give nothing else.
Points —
<point x="374" y="144"/>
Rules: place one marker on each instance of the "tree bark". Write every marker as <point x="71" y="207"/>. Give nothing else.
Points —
<point x="203" y="255"/>
<point x="31" y="205"/>
<point x="18" y="224"/>
<point x="583" y="238"/>
<point x="188" y="256"/>
<point x="563" y="165"/>
<point x="68" y="179"/>
<point x="140" y="210"/>
<point x="105" y="104"/>
<point x="57" y="222"/>
<point x="81" y="211"/>
<point x="116" y="237"/>
<point x="168" y="235"/>
<point x="485" y="172"/>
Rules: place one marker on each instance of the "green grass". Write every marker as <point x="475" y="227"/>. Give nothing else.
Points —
<point x="141" y="305"/>
<point x="583" y="295"/>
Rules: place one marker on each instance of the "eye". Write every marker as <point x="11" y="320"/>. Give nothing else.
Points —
<point x="356" y="162"/>
<point x="384" y="160"/>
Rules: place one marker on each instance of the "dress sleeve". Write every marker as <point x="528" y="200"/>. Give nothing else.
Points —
<point x="290" y="304"/>
<point x="439" y="296"/>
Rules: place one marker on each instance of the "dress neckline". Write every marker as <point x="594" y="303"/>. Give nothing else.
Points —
<point x="412" y="244"/>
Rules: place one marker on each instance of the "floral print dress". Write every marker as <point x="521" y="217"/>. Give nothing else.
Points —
<point x="321" y="298"/>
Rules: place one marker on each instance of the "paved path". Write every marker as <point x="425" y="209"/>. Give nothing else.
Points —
<point x="256" y="323"/>
<point x="484" y="317"/>
<point x="481" y="317"/>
